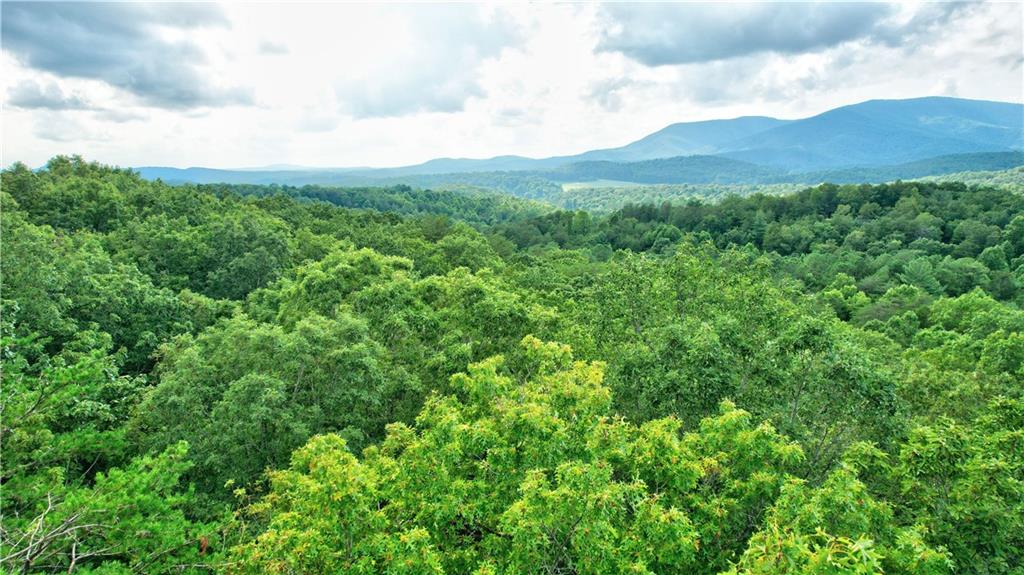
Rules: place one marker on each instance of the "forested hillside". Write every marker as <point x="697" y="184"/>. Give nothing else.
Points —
<point x="680" y="169"/>
<point x="306" y="380"/>
<point x="722" y="170"/>
<point x="470" y="205"/>
<point x="1011" y="180"/>
<point x="872" y="141"/>
<point x="548" y="184"/>
<point x="944" y="238"/>
<point x="608" y="196"/>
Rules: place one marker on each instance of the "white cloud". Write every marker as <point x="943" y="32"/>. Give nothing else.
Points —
<point x="358" y="84"/>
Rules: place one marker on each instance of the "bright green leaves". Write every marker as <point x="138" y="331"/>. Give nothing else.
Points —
<point x="968" y="352"/>
<point x="966" y="485"/>
<point x="585" y="522"/>
<point x="742" y="467"/>
<point x="301" y="387"/>
<point x="63" y="417"/>
<point x="837" y="527"/>
<point x="525" y="470"/>
<point x="130" y="519"/>
<point x="73" y="498"/>
<point x="439" y="324"/>
<point x="57" y="286"/>
<point x="660" y="457"/>
<point x="681" y="335"/>
<point x="319" y="287"/>
<point x="255" y="424"/>
<point x="245" y="394"/>
<point x="330" y="499"/>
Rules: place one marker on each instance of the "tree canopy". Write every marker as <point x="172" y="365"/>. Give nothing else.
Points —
<point x="262" y="379"/>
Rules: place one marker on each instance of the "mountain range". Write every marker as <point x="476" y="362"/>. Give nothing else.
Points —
<point x="875" y="140"/>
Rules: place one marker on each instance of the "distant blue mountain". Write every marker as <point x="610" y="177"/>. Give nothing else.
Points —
<point x="882" y="132"/>
<point x="722" y="170"/>
<point x="684" y="139"/>
<point x="862" y="136"/>
<point x="466" y="165"/>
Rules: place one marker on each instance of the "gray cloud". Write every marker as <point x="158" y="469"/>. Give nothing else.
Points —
<point x="402" y="96"/>
<point x="726" y="53"/>
<point x="120" y="44"/>
<point x="314" y="120"/>
<point x="440" y="74"/>
<point x="517" y="116"/>
<point x="33" y="95"/>
<point x="665" y="34"/>
<point x="272" y="48"/>
<point x="64" y="128"/>
<point x="929" y="19"/>
<point x="1012" y="61"/>
<point x="120" y="116"/>
<point x="719" y="82"/>
<point x="608" y="93"/>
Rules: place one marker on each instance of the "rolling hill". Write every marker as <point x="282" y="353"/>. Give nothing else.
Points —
<point x="880" y="132"/>
<point x="937" y="166"/>
<point x="684" y="139"/>
<point x="689" y="169"/>
<point x="874" y="141"/>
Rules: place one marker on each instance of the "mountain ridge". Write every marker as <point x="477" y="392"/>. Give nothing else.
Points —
<point x="866" y="135"/>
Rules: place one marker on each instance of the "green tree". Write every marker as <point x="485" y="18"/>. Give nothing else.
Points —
<point x="837" y="527"/>
<point x="245" y="394"/>
<point x="919" y="273"/>
<point x="517" y="474"/>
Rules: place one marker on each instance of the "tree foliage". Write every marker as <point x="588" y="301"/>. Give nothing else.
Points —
<point x="263" y="379"/>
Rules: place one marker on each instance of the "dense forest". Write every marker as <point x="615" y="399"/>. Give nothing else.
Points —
<point x="606" y="196"/>
<point x="470" y="205"/>
<point x="1012" y="179"/>
<point x="694" y="175"/>
<point x="247" y="379"/>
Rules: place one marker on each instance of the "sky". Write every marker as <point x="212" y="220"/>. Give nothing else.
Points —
<point x="321" y="84"/>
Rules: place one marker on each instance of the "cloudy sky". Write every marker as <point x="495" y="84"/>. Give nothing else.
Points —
<point x="240" y="85"/>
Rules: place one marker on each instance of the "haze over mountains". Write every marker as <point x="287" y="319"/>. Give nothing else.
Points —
<point x="877" y="140"/>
